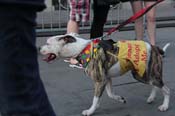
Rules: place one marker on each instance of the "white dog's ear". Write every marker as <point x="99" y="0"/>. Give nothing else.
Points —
<point x="51" y="40"/>
<point x="68" y="39"/>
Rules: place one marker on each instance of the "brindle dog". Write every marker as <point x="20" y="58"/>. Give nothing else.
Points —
<point x="103" y="60"/>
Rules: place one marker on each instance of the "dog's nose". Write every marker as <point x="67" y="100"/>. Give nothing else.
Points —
<point x="39" y="48"/>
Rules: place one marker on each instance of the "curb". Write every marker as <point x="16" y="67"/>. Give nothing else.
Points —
<point x="162" y="22"/>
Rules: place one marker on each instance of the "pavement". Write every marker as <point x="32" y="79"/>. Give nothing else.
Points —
<point x="70" y="91"/>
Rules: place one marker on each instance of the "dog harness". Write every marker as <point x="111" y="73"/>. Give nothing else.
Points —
<point x="132" y="54"/>
<point x="97" y="59"/>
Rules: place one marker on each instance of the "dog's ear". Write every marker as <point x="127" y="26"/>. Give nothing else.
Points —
<point x="68" y="39"/>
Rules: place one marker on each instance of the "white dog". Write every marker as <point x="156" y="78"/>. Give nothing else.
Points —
<point x="103" y="60"/>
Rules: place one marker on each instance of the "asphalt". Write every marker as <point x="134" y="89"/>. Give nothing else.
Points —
<point x="70" y="91"/>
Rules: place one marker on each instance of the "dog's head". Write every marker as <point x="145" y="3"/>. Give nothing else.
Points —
<point x="64" y="46"/>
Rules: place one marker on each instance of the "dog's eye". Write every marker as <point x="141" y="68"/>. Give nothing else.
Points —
<point x="68" y="39"/>
<point x="48" y="47"/>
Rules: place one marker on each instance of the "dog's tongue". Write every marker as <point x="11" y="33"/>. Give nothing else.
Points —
<point x="50" y="57"/>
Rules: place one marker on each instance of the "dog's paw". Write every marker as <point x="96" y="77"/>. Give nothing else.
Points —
<point x="86" y="113"/>
<point x="120" y="99"/>
<point x="163" y="108"/>
<point x="123" y="100"/>
<point x="150" y="100"/>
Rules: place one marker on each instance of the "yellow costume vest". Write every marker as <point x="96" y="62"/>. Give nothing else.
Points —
<point x="132" y="54"/>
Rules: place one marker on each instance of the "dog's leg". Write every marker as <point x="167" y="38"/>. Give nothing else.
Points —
<point x="99" y="88"/>
<point x="114" y="71"/>
<point x="93" y="107"/>
<point x="111" y="94"/>
<point x="152" y="95"/>
<point x="166" y="94"/>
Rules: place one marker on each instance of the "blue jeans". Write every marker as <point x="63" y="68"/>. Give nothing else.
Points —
<point x="21" y="90"/>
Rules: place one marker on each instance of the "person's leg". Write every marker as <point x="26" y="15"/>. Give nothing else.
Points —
<point x="21" y="90"/>
<point x="139" y="29"/>
<point x="99" y="19"/>
<point x="72" y="26"/>
<point x="151" y="24"/>
<point x="79" y="12"/>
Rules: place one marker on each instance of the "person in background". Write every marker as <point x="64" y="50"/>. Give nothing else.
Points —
<point x="99" y="19"/>
<point x="21" y="89"/>
<point x="100" y="11"/>
<point x="79" y="12"/>
<point x="150" y="16"/>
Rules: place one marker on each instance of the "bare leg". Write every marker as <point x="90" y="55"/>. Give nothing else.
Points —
<point x="111" y="94"/>
<point x="152" y="95"/>
<point x="166" y="94"/>
<point x="72" y="26"/>
<point x="151" y="25"/>
<point x="139" y="28"/>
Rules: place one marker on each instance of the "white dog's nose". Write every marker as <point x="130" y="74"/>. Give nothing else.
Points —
<point x="39" y="48"/>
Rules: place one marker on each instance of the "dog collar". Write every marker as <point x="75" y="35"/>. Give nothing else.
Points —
<point x="87" y="53"/>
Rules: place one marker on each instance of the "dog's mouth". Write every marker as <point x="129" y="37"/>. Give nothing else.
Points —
<point x="49" y="57"/>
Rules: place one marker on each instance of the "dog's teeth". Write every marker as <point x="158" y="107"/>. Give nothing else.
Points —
<point x="66" y="61"/>
<point x="75" y="66"/>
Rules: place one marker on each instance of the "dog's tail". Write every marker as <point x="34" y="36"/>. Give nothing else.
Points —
<point x="166" y="46"/>
<point x="163" y="50"/>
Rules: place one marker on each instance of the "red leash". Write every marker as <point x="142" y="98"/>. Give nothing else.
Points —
<point x="132" y="18"/>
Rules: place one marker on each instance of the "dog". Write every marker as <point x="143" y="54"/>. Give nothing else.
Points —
<point x="104" y="59"/>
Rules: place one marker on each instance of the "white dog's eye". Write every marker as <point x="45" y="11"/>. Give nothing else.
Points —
<point x="49" y="47"/>
<point x="43" y="51"/>
<point x="51" y="40"/>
